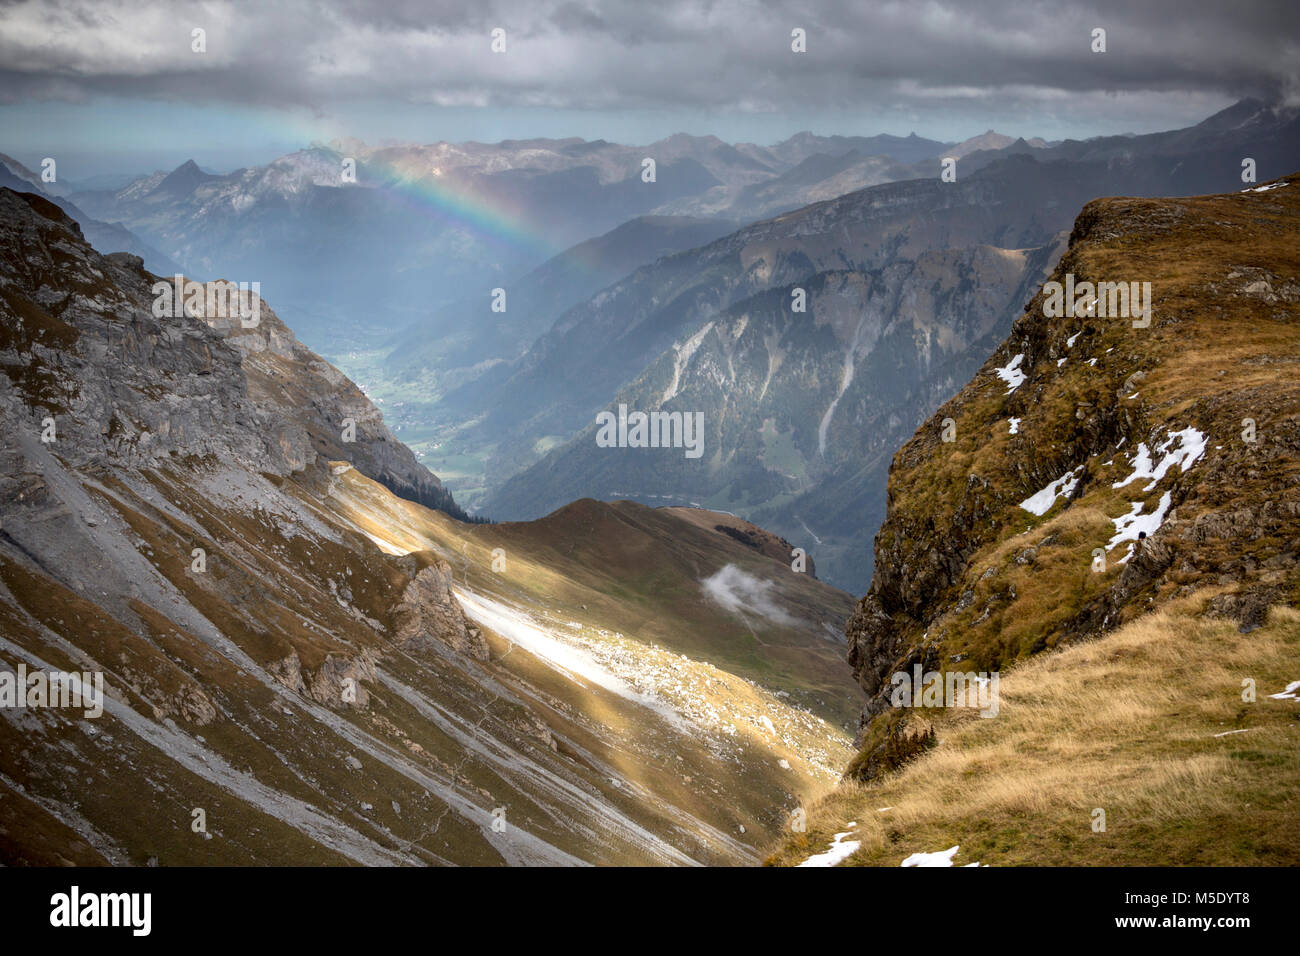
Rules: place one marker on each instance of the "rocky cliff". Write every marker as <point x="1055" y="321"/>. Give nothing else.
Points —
<point x="1100" y="465"/>
<point x="175" y="388"/>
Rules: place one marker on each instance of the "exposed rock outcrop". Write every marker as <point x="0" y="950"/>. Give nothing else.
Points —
<point x="428" y="610"/>
<point x="140" y="388"/>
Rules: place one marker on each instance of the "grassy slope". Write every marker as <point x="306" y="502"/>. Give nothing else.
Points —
<point x="1127" y="724"/>
<point x="717" y="796"/>
<point x="1213" y="356"/>
<point x="636" y="570"/>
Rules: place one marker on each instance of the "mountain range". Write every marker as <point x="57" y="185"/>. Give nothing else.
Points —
<point x="673" y="306"/>
<point x="907" y="287"/>
<point x="107" y="236"/>
<point x="415" y="225"/>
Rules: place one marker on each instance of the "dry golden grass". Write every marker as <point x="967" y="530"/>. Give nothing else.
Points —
<point x="1125" y="724"/>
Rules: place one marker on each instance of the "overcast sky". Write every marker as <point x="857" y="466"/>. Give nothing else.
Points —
<point x="114" y="85"/>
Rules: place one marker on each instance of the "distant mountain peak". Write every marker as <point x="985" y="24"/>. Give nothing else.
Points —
<point x="1244" y="112"/>
<point x="19" y="170"/>
<point x="990" y="139"/>
<point x="184" y="179"/>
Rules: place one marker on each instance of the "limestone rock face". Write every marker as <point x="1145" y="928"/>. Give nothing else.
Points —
<point x="429" y="610"/>
<point x="339" y="680"/>
<point x="127" y="386"/>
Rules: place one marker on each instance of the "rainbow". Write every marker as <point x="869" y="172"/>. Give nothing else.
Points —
<point x="499" y="220"/>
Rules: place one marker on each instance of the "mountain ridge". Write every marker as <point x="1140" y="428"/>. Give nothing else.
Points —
<point x="1012" y="199"/>
<point x="946" y="557"/>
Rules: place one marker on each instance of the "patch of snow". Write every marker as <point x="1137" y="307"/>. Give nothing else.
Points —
<point x="1292" y="692"/>
<point x="1015" y="425"/>
<point x="1069" y="343"/>
<point x="1060" y="362"/>
<point x="1229" y="733"/>
<point x="1011" y="374"/>
<point x="1129" y="526"/>
<point x="1265" y="188"/>
<point x="1183" y="448"/>
<point x="1040" y="501"/>
<point x="937" y="858"/>
<point x="839" y="851"/>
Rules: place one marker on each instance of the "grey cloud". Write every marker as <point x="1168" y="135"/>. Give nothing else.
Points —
<point x="630" y="54"/>
<point x="740" y="592"/>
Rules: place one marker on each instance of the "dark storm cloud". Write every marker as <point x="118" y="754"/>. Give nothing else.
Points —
<point x="665" y="54"/>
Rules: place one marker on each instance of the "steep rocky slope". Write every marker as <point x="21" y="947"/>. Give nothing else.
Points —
<point x="1139" y="421"/>
<point x="301" y="667"/>
<point x="802" y="407"/>
<point x="181" y="382"/>
<point x="1120" y="503"/>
